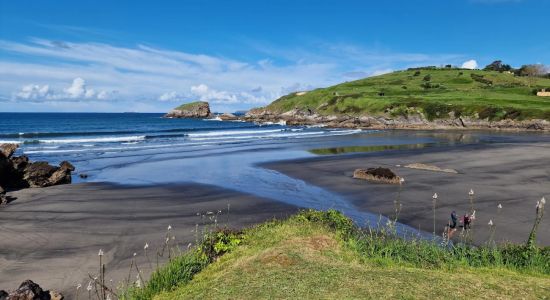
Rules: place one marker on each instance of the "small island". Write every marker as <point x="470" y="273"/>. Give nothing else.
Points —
<point x="196" y="110"/>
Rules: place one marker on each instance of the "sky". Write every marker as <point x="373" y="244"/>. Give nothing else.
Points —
<point x="150" y="56"/>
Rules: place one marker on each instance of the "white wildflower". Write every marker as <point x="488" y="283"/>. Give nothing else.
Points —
<point x="100" y="253"/>
<point x="401" y="180"/>
<point x="189" y="245"/>
<point x="89" y="287"/>
<point x="78" y="286"/>
<point x="490" y="223"/>
<point x="499" y="206"/>
<point x="169" y="227"/>
<point x="146" y="246"/>
<point x="435" y="196"/>
<point x="471" y="193"/>
<point x="135" y="254"/>
<point x="543" y="201"/>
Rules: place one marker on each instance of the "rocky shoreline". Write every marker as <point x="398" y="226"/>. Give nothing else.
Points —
<point x="18" y="172"/>
<point x="28" y="290"/>
<point x="416" y="121"/>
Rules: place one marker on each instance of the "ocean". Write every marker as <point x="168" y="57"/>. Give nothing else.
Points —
<point x="146" y="149"/>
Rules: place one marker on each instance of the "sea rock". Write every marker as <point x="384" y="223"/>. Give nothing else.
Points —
<point x="28" y="290"/>
<point x="37" y="174"/>
<point x="7" y="150"/>
<point x="377" y="174"/>
<point x="3" y="200"/>
<point x="199" y="109"/>
<point x="228" y="117"/>
<point x="18" y="172"/>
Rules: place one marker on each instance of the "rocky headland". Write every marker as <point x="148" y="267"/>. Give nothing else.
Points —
<point x="419" y="98"/>
<point x="415" y="120"/>
<point x="18" y="172"/>
<point x="198" y="110"/>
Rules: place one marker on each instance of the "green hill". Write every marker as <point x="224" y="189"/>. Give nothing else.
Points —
<point x="322" y="255"/>
<point x="434" y="92"/>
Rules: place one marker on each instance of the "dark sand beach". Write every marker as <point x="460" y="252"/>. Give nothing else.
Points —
<point x="515" y="175"/>
<point x="53" y="235"/>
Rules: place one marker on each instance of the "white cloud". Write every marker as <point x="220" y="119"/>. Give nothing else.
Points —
<point x="34" y="92"/>
<point x="169" y="96"/>
<point x="470" y="64"/>
<point x="200" y="90"/>
<point x="152" y="77"/>
<point x="76" y="91"/>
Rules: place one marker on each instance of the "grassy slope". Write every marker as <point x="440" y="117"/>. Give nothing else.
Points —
<point x="297" y="259"/>
<point x="189" y="106"/>
<point x="403" y="92"/>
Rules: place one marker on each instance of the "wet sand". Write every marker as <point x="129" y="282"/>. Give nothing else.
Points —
<point x="515" y="175"/>
<point x="53" y="235"/>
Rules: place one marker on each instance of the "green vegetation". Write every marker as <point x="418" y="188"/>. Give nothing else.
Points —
<point x="191" y="106"/>
<point x="435" y="92"/>
<point x="324" y="255"/>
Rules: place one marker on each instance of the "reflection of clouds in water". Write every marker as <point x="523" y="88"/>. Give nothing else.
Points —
<point x="238" y="172"/>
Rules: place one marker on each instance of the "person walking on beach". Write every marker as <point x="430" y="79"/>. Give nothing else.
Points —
<point x="452" y="224"/>
<point x="467" y="222"/>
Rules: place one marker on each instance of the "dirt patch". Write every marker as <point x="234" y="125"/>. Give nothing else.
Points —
<point x="277" y="258"/>
<point x="321" y="242"/>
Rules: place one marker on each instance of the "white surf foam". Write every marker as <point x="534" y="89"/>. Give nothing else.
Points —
<point x="95" y="140"/>
<point x="231" y="132"/>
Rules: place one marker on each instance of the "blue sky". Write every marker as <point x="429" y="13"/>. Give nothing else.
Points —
<point x="137" y="56"/>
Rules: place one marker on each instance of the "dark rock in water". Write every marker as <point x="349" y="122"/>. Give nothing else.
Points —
<point x="19" y="162"/>
<point x="377" y="174"/>
<point x="83" y="175"/>
<point x="37" y="174"/>
<point x="3" y="295"/>
<point x="18" y="172"/>
<point x="228" y="117"/>
<point x="7" y="150"/>
<point x="28" y="290"/>
<point x="199" y="109"/>
<point x="3" y="199"/>
<point x="65" y="165"/>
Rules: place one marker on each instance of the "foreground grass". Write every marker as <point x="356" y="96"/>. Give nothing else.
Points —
<point x="321" y="255"/>
<point x="433" y="92"/>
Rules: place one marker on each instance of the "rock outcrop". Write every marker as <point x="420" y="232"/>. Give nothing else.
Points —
<point x="228" y="117"/>
<point x="28" y="290"/>
<point x="199" y="109"/>
<point x="18" y="172"/>
<point x="377" y="174"/>
<point x="415" y="120"/>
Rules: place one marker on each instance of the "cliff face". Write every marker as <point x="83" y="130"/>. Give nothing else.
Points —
<point x="199" y="109"/>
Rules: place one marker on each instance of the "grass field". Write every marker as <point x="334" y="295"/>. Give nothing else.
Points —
<point x="320" y="255"/>
<point x="433" y="92"/>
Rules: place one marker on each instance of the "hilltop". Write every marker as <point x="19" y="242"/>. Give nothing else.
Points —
<point x="420" y="97"/>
